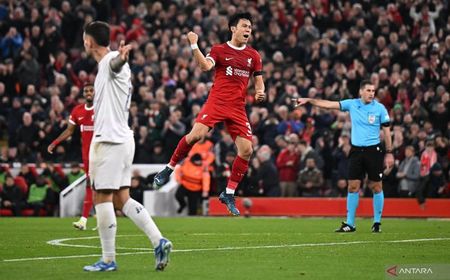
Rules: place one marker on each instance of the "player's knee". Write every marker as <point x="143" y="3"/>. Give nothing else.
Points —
<point x="376" y="187"/>
<point x="246" y="152"/>
<point x="353" y="186"/>
<point x="194" y="137"/>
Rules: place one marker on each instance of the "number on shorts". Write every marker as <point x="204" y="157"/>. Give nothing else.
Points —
<point x="249" y="131"/>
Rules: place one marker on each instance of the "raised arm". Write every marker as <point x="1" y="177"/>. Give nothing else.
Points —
<point x="327" y="104"/>
<point x="63" y="136"/>
<point x="117" y="62"/>
<point x="205" y="64"/>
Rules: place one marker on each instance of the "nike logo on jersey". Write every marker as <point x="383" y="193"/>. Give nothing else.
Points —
<point x="204" y="116"/>
<point x="80" y="118"/>
<point x="228" y="58"/>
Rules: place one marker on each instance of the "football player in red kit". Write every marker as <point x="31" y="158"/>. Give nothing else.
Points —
<point x="83" y="116"/>
<point x="235" y="62"/>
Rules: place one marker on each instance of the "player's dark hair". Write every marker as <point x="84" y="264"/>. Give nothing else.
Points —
<point x="234" y="19"/>
<point x="364" y="83"/>
<point x="98" y="30"/>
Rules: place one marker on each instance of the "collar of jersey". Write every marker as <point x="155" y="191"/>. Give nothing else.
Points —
<point x="364" y="104"/>
<point x="236" y="48"/>
<point x="88" y="108"/>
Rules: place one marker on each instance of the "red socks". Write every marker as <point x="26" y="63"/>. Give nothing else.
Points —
<point x="240" y="166"/>
<point x="181" y="152"/>
<point x="87" y="204"/>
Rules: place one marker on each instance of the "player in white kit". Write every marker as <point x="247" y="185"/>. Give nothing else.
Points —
<point x="112" y="150"/>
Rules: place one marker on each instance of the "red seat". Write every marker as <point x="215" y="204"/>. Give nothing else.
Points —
<point x="6" y="212"/>
<point x="22" y="184"/>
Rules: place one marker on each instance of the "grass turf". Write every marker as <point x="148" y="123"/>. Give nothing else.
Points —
<point x="225" y="248"/>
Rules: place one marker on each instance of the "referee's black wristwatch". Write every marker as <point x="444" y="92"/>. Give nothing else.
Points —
<point x="389" y="152"/>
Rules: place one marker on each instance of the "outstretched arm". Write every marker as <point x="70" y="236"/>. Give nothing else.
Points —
<point x="205" y="64"/>
<point x="63" y="136"/>
<point x="117" y="62"/>
<point x="317" y="102"/>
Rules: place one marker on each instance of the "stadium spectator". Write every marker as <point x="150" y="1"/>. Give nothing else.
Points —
<point x="194" y="179"/>
<point x="37" y="196"/>
<point x="307" y="152"/>
<point x="310" y="179"/>
<point x="222" y="173"/>
<point x="11" y="196"/>
<point x="158" y="155"/>
<point x="265" y="177"/>
<point x="137" y="189"/>
<point x="436" y="185"/>
<point x="75" y="173"/>
<point x="390" y="181"/>
<point x="28" y="174"/>
<point x="287" y="164"/>
<point x="427" y="160"/>
<point x="408" y="173"/>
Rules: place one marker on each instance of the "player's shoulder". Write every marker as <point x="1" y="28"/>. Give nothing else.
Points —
<point x="219" y="47"/>
<point x="379" y="105"/>
<point x="252" y="50"/>
<point x="349" y="100"/>
<point x="78" y="108"/>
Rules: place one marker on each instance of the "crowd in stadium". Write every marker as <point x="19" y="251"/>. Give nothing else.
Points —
<point x="317" y="49"/>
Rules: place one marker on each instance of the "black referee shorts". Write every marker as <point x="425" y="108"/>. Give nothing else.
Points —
<point x="366" y="160"/>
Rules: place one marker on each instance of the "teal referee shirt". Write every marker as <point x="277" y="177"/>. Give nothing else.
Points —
<point x="366" y="120"/>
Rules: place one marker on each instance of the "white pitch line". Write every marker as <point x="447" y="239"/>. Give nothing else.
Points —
<point x="223" y="248"/>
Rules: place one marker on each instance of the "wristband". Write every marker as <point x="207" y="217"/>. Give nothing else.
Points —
<point x="55" y="143"/>
<point x="389" y="152"/>
<point x="194" y="46"/>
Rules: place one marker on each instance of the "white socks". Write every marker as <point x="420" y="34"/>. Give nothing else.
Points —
<point x="229" y="191"/>
<point x="107" y="228"/>
<point x="140" y="216"/>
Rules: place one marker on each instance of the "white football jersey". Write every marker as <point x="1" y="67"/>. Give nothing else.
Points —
<point x="112" y="102"/>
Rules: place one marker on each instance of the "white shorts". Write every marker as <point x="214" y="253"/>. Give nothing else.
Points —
<point x="110" y="164"/>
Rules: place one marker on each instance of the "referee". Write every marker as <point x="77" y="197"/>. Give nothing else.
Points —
<point x="366" y="155"/>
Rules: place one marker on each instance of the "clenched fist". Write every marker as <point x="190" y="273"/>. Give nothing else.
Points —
<point x="192" y="37"/>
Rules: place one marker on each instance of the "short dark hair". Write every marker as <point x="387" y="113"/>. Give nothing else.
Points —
<point x="98" y="30"/>
<point x="234" y="19"/>
<point x="364" y="83"/>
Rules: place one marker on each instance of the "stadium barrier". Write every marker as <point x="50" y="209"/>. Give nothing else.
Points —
<point x="332" y="207"/>
<point x="158" y="203"/>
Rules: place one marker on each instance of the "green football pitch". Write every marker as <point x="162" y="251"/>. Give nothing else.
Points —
<point x="224" y="248"/>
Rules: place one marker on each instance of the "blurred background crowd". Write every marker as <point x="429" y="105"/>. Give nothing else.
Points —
<point x="315" y="48"/>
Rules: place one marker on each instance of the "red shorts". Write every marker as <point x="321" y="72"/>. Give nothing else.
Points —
<point x="235" y="119"/>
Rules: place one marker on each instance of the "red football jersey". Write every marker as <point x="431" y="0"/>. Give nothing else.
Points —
<point x="84" y="118"/>
<point x="234" y="66"/>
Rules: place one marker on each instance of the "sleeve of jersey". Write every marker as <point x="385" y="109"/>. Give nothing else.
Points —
<point x="213" y="55"/>
<point x="73" y="118"/>
<point x="109" y="58"/>
<point x="384" y="117"/>
<point x="257" y="68"/>
<point x="345" y="105"/>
